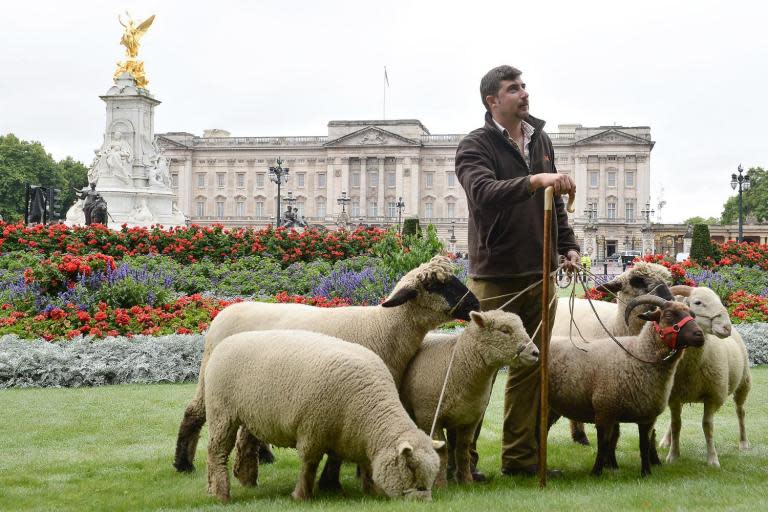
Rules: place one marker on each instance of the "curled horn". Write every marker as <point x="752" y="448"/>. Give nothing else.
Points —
<point x="682" y="290"/>
<point x="643" y="299"/>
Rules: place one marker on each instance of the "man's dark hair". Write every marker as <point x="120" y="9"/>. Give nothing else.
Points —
<point x="491" y="82"/>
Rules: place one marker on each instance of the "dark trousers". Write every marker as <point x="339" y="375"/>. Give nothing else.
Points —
<point x="519" y="446"/>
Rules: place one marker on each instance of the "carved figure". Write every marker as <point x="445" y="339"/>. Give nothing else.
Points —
<point x="141" y="214"/>
<point x="114" y="159"/>
<point x="133" y="34"/>
<point x="159" y="174"/>
<point x="93" y="202"/>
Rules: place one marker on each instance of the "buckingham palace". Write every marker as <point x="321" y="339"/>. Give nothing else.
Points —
<point x="388" y="169"/>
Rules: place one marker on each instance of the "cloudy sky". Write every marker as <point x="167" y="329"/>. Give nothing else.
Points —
<point x="696" y="72"/>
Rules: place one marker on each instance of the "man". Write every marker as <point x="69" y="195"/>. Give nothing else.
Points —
<point x="504" y="168"/>
<point x="586" y="265"/>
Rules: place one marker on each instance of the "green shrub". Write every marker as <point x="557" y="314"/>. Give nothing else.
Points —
<point x="411" y="226"/>
<point x="414" y="250"/>
<point x="701" y="245"/>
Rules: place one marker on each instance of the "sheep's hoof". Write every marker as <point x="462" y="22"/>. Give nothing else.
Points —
<point x="744" y="445"/>
<point x="329" y="485"/>
<point x="714" y="463"/>
<point x="184" y="466"/>
<point x="581" y="438"/>
<point x="266" y="456"/>
<point x="440" y="482"/>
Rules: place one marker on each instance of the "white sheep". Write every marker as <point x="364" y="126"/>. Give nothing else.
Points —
<point x="606" y="386"/>
<point x="709" y="375"/>
<point x="491" y="340"/>
<point x="318" y="394"/>
<point x="424" y="298"/>
<point x="638" y="280"/>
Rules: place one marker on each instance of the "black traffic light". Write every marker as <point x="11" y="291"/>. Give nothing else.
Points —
<point x="54" y="203"/>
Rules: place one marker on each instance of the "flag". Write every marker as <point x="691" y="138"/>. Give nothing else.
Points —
<point x="386" y="78"/>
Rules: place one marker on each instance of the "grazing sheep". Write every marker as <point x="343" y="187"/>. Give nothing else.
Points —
<point x="491" y="340"/>
<point x="318" y="394"/>
<point x="634" y="282"/>
<point x="424" y="298"/>
<point x="709" y="375"/>
<point x="607" y="386"/>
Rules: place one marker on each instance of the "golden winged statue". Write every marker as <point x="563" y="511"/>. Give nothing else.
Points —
<point x="131" y="37"/>
<point x="133" y="34"/>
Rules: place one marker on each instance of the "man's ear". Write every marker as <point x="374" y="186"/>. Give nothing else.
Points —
<point x="400" y="297"/>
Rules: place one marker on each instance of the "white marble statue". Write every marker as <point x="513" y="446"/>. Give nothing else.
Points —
<point x="141" y="215"/>
<point x="158" y="173"/>
<point x="75" y="214"/>
<point x="114" y="159"/>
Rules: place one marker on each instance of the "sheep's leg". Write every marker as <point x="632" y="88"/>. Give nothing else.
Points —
<point x="666" y="441"/>
<point x="707" y="425"/>
<point x="463" y="442"/>
<point x="189" y="430"/>
<point x="221" y="440"/>
<point x="246" y="464"/>
<point x="305" y="485"/>
<point x="611" y="462"/>
<point x="739" y="397"/>
<point x="604" y="434"/>
<point x="644" y="431"/>
<point x="578" y="434"/>
<point x="652" y="450"/>
<point x="366" y="480"/>
<point x="329" y="478"/>
<point x="442" y="474"/>
<point x="675" y="410"/>
<point x="450" y="444"/>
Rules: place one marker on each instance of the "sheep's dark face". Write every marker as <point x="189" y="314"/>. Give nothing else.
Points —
<point x="448" y="296"/>
<point x="672" y="313"/>
<point x="637" y="281"/>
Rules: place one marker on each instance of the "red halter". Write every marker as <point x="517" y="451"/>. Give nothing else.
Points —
<point x="669" y="334"/>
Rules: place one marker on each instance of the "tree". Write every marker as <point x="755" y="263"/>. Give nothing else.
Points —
<point x="23" y="162"/>
<point x="701" y="245"/>
<point x="709" y="221"/>
<point x="755" y="200"/>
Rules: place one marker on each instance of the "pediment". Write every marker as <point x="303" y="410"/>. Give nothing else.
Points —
<point x="614" y="136"/>
<point x="372" y="136"/>
<point x="166" y="143"/>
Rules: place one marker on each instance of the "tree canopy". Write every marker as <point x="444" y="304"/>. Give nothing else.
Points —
<point x="23" y="162"/>
<point x="755" y="200"/>
<point x="709" y="221"/>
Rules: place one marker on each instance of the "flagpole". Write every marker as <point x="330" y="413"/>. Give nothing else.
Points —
<point x="384" y="106"/>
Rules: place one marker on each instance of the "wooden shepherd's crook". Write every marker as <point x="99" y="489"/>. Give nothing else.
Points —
<point x="544" y="332"/>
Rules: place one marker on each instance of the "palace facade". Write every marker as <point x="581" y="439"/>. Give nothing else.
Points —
<point x="380" y="163"/>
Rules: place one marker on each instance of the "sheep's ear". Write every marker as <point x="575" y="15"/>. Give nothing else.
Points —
<point x="437" y="445"/>
<point x="400" y="297"/>
<point x="610" y="287"/>
<point x="654" y="315"/>
<point x="477" y="318"/>
<point x="405" y="449"/>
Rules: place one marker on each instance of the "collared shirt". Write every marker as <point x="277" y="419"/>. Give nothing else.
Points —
<point x="528" y="130"/>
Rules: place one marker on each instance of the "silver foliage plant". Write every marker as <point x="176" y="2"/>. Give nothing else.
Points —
<point x="161" y="359"/>
<point x="85" y="362"/>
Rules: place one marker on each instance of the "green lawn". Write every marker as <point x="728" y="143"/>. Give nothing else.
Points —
<point x="110" y="448"/>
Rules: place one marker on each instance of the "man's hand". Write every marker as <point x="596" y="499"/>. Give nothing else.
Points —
<point x="572" y="261"/>
<point x="562" y="183"/>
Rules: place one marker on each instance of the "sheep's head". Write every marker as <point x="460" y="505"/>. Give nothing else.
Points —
<point x="675" y="324"/>
<point x="709" y="311"/>
<point x="408" y="469"/>
<point x="638" y="280"/>
<point x="433" y="286"/>
<point x="502" y="338"/>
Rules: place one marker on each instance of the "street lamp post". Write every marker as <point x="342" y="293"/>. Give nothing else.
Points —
<point x="452" y="240"/>
<point x="278" y="175"/>
<point x="648" y="212"/>
<point x="399" y="205"/>
<point x="743" y="183"/>
<point x="343" y="217"/>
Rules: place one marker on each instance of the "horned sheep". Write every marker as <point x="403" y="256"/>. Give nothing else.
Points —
<point x="491" y="340"/>
<point x="638" y="280"/>
<point x="424" y="298"/>
<point x="605" y="385"/>
<point x="318" y="394"/>
<point x="709" y="375"/>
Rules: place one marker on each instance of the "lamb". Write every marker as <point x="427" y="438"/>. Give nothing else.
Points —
<point x="709" y="375"/>
<point x="634" y="282"/>
<point x="318" y="394"/>
<point x="607" y="386"/>
<point x="424" y="298"/>
<point x="491" y="340"/>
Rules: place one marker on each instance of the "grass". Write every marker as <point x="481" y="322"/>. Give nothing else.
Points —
<point x="110" y="448"/>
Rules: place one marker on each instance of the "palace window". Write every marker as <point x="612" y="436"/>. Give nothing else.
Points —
<point x="373" y="209"/>
<point x="220" y="208"/>
<point x="629" y="209"/>
<point x="240" y="207"/>
<point x="611" y="208"/>
<point x="451" y="179"/>
<point x="321" y="180"/>
<point x="428" y="210"/>
<point x="629" y="178"/>
<point x="451" y="211"/>
<point x="220" y="179"/>
<point x="175" y="180"/>
<point x="391" y="209"/>
<point x="200" y="180"/>
<point x="354" y="207"/>
<point x="429" y="179"/>
<point x="321" y="205"/>
<point x="300" y="177"/>
<point x="594" y="179"/>
<point x="260" y="208"/>
<point x="354" y="179"/>
<point x="241" y="180"/>
<point x="260" y="180"/>
<point x="200" y="207"/>
<point x="612" y="178"/>
<point x="390" y="179"/>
